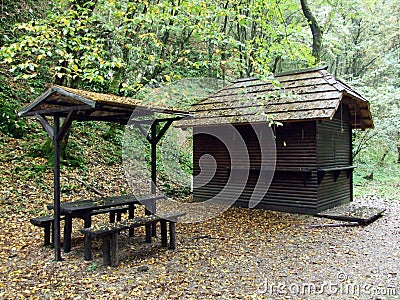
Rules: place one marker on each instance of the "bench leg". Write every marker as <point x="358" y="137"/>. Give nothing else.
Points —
<point x="150" y="208"/>
<point x="88" y="247"/>
<point x="172" y="235"/>
<point x="67" y="233"/>
<point x="110" y="250"/>
<point x="163" y="224"/>
<point x="106" y="250"/>
<point x="114" y="250"/>
<point x="47" y="233"/>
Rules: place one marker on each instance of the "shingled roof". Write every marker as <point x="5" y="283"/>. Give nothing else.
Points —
<point x="310" y="94"/>
<point x="87" y="105"/>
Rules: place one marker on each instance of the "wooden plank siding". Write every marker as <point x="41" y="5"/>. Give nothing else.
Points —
<point x="334" y="149"/>
<point x="293" y="188"/>
<point x="301" y="148"/>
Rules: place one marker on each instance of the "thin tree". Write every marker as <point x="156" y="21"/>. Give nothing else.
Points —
<point x="315" y="30"/>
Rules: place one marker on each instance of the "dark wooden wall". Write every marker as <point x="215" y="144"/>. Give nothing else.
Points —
<point x="294" y="185"/>
<point x="334" y="149"/>
<point x="301" y="149"/>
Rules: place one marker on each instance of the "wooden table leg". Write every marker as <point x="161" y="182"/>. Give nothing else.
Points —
<point x="163" y="224"/>
<point x="131" y="215"/>
<point x="112" y="217"/>
<point x="87" y="220"/>
<point x="148" y="232"/>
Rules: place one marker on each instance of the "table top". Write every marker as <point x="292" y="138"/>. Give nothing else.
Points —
<point x="105" y="202"/>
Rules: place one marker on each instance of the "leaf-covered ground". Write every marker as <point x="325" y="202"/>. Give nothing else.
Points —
<point x="241" y="254"/>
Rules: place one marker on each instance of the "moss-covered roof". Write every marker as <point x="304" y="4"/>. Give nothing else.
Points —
<point x="311" y="94"/>
<point x="91" y="106"/>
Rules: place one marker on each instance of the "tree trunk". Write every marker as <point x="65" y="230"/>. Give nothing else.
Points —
<point x="398" y="152"/>
<point x="315" y="30"/>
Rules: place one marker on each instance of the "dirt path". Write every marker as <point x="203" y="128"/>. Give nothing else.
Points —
<point x="242" y="254"/>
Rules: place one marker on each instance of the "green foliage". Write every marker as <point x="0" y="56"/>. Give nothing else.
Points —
<point x="376" y="150"/>
<point x="10" y="124"/>
<point x="63" y="39"/>
<point x="123" y="46"/>
<point x="385" y="182"/>
<point x="362" y="46"/>
<point x="14" y="11"/>
<point x="93" y="267"/>
<point x="385" y="109"/>
<point x="361" y="39"/>
<point x="120" y="46"/>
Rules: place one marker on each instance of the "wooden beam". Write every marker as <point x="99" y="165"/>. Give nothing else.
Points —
<point x="46" y="125"/>
<point x="144" y="132"/>
<point x="162" y="131"/>
<point x="150" y="121"/>
<point x="59" y="110"/>
<point x="66" y="125"/>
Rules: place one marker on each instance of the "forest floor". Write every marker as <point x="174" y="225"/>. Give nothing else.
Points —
<point x="240" y="254"/>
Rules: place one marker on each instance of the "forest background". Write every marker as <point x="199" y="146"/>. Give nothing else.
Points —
<point x="128" y="47"/>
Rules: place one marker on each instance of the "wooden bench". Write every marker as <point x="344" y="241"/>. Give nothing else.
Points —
<point x="47" y="222"/>
<point x="108" y="232"/>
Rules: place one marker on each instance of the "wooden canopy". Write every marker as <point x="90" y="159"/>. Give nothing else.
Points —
<point x="310" y="94"/>
<point x="71" y="105"/>
<point x="90" y="106"/>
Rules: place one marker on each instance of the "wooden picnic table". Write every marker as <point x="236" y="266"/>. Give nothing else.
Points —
<point x="84" y="209"/>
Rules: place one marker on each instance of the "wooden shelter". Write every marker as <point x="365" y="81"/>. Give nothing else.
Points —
<point x="314" y="167"/>
<point x="67" y="104"/>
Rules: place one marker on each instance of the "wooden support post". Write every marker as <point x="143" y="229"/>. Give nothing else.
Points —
<point x="87" y="221"/>
<point x="153" y="172"/>
<point x="153" y="157"/>
<point x="153" y="138"/>
<point x="57" y="133"/>
<point x="57" y="190"/>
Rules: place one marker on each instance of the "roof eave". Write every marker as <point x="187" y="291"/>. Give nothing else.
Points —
<point x="29" y="110"/>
